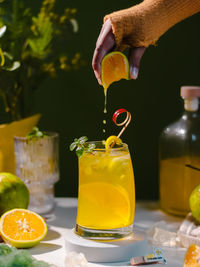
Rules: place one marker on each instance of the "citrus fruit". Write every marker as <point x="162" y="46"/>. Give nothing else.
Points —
<point x="13" y="192"/>
<point x="22" y="228"/>
<point x="114" y="67"/>
<point x="111" y="140"/>
<point x="195" y="203"/>
<point x="103" y="206"/>
<point x="192" y="256"/>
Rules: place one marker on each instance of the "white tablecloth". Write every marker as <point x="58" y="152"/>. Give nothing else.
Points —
<point x="52" y="248"/>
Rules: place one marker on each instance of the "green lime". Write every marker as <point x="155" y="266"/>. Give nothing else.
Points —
<point x="13" y="192"/>
<point x="195" y="203"/>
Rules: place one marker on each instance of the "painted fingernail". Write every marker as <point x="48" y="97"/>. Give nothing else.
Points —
<point x="134" y="72"/>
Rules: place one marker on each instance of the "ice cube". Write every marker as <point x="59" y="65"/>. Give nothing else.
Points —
<point x="74" y="259"/>
<point x="160" y="234"/>
<point x="189" y="232"/>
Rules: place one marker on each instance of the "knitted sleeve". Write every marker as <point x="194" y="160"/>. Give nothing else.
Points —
<point x="143" y="24"/>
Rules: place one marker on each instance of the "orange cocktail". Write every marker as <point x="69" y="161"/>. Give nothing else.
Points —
<point x="106" y="195"/>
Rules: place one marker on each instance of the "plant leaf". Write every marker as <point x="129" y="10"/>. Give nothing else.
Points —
<point x="72" y="146"/>
<point x="81" y="146"/>
<point x="2" y="30"/>
<point x="79" y="151"/>
<point x="41" y="41"/>
<point x="83" y="139"/>
<point x="15" y="65"/>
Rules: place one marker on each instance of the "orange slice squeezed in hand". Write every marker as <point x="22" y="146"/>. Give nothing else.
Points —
<point x="22" y="228"/>
<point x="114" y="67"/>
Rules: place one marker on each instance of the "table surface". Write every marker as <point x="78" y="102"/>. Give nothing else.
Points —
<point x="52" y="248"/>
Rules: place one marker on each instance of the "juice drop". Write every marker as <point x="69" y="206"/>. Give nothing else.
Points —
<point x="105" y="101"/>
<point x="105" y="108"/>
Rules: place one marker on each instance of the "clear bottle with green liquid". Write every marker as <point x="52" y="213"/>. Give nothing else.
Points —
<point x="179" y="155"/>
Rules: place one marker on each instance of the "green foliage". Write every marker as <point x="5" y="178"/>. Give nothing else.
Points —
<point x="40" y="42"/>
<point x="36" y="133"/>
<point x="33" y="46"/>
<point x="10" y="256"/>
<point x="82" y="146"/>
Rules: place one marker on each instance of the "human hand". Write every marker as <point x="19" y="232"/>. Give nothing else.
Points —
<point x="105" y="44"/>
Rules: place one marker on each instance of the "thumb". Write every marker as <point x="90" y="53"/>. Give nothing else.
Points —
<point x="135" y="56"/>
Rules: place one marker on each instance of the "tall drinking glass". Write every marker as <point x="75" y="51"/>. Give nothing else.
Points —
<point x="106" y="194"/>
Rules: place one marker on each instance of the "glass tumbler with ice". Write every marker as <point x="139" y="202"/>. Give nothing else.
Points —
<point x="106" y="193"/>
<point x="37" y="164"/>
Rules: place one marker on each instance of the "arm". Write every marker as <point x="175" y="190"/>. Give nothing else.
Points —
<point x="143" y="24"/>
<point x="138" y="27"/>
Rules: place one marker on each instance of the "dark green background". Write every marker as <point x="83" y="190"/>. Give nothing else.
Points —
<point x="72" y="104"/>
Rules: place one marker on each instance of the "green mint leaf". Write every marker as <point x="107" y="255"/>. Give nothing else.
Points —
<point x="36" y="133"/>
<point x="83" y="139"/>
<point x="35" y="129"/>
<point x="72" y="146"/>
<point x="90" y="148"/>
<point x="79" y="151"/>
<point x="81" y="146"/>
<point x="39" y="134"/>
<point x="76" y="141"/>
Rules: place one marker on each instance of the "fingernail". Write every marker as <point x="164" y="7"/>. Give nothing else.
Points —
<point x="99" y="81"/>
<point x="134" y="72"/>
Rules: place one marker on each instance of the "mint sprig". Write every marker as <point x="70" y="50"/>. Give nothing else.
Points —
<point x="81" y="146"/>
<point x="35" y="133"/>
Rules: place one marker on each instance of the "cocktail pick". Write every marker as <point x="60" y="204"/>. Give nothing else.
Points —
<point x="125" y="122"/>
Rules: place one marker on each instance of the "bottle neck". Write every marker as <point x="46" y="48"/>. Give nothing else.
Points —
<point x="191" y="104"/>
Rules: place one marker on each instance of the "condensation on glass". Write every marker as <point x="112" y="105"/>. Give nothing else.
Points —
<point x="37" y="164"/>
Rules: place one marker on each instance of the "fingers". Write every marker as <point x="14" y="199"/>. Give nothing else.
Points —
<point x="105" y="44"/>
<point x="135" y="56"/>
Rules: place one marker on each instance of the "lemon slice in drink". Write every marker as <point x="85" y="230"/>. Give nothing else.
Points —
<point x="104" y="206"/>
<point x="111" y="140"/>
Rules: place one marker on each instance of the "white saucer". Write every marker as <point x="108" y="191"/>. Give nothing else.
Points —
<point x="109" y="251"/>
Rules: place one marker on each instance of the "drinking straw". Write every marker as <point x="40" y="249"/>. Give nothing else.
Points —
<point x="125" y="122"/>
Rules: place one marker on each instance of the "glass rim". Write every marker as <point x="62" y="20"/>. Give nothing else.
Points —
<point x="25" y="138"/>
<point x="120" y="147"/>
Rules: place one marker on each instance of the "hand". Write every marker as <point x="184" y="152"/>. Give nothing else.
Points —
<point x="105" y="44"/>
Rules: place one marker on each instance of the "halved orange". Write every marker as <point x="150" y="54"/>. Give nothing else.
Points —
<point x="22" y="228"/>
<point x="192" y="256"/>
<point x="114" y="67"/>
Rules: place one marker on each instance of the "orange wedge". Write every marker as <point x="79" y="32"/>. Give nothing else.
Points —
<point x="22" y="228"/>
<point x="114" y="67"/>
<point x="192" y="256"/>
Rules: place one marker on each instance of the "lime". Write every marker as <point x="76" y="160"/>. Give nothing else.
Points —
<point x="195" y="203"/>
<point x="13" y="192"/>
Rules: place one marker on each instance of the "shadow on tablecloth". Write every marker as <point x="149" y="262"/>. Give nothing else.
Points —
<point x="64" y="217"/>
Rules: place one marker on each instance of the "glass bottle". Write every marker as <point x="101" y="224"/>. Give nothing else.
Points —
<point x="179" y="156"/>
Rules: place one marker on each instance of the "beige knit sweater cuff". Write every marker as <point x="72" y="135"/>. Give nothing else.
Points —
<point x="143" y="24"/>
